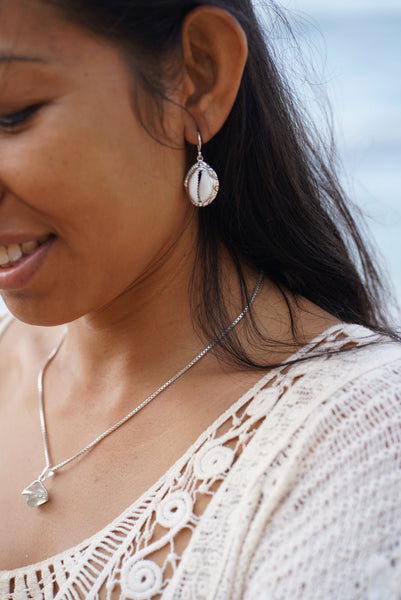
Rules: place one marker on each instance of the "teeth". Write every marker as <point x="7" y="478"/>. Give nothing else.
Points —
<point x="14" y="252"/>
<point x="29" y="247"/>
<point x="11" y="254"/>
<point x="4" y="260"/>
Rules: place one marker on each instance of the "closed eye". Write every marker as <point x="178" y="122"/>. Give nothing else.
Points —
<point x="15" y="120"/>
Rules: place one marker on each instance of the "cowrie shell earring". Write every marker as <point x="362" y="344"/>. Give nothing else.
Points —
<point x="201" y="182"/>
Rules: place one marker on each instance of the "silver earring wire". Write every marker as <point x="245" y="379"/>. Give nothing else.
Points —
<point x="200" y="157"/>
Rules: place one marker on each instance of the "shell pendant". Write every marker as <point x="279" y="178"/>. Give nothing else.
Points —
<point x="201" y="184"/>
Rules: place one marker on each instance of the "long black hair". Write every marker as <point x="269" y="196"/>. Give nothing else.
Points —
<point x="280" y="208"/>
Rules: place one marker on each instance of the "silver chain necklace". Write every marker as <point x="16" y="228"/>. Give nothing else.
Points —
<point x="36" y="494"/>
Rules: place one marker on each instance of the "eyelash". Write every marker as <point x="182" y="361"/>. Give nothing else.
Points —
<point x="17" y="119"/>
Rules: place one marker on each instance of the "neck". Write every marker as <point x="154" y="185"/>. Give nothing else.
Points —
<point x="147" y="328"/>
<point x="142" y="338"/>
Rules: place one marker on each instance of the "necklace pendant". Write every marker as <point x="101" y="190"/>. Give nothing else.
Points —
<point x="35" y="494"/>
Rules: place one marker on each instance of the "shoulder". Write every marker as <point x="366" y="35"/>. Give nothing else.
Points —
<point x="356" y="348"/>
<point x="334" y="407"/>
<point x="331" y="494"/>
<point x="365" y="376"/>
<point x="346" y="372"/>
<point x="344" y="363"/>
<point x="359" y="363"/>
<point x="297" y="514"/>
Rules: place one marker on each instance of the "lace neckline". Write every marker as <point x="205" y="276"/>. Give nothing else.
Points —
<point x="321" y="340"/>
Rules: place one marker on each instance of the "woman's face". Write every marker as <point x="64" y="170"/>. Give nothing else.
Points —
<point x="79" y="175"/>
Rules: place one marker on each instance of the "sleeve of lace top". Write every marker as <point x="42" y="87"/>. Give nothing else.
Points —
<point x="336" y="531"/>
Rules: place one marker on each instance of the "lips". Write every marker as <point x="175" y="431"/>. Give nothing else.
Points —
<point x="22" y="259"/>
<point x="14" y="253"/>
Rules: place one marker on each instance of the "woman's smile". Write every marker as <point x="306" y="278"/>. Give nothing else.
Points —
<point x="76" y="161"/>
<point x="12" y="253"/>
<point x="19" y="261"/>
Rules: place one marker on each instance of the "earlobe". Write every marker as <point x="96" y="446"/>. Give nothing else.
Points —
<point x="215" y="52"/>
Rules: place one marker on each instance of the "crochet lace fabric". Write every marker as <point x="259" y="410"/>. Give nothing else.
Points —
<point x="293" y="493"/>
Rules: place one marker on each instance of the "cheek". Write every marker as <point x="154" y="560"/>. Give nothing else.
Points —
<point x="93" y="168"/>
<point x="115" y="206"/>
<point x="40" y="169"/>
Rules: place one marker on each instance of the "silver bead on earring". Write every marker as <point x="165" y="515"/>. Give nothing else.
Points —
<point x="201" y="182"/>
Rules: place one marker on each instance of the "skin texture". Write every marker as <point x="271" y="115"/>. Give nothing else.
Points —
<point x="126" y="186"/>
<point x="124" y="235"/>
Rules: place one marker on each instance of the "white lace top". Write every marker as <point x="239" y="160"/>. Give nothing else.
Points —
<point x="302" y="482"/>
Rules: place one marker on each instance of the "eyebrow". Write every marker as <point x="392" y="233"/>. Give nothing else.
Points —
<point x="9" y="57"/>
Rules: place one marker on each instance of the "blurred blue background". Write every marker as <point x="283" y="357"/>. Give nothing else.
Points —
<point x="355" y="46"/>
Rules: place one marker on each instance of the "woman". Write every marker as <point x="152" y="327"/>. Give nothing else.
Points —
<point x="211" y="424"/>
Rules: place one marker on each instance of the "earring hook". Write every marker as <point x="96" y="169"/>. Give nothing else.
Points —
<point x="200" y="157"/>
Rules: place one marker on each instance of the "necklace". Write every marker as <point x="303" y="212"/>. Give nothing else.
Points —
<point x="36" y="494"/>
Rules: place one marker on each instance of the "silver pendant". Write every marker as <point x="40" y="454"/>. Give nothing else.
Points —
<point x="36" y="494"/>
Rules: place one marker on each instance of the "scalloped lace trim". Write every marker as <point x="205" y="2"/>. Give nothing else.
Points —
<point x="138" y="554"/>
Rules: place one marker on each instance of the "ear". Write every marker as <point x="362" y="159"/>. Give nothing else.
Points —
<point x="215" y="50"/>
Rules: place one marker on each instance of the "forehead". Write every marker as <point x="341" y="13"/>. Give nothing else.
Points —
<point x="31" y="30"/>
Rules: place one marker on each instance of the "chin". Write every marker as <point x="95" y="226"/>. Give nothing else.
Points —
<point x="34" y="311"/>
